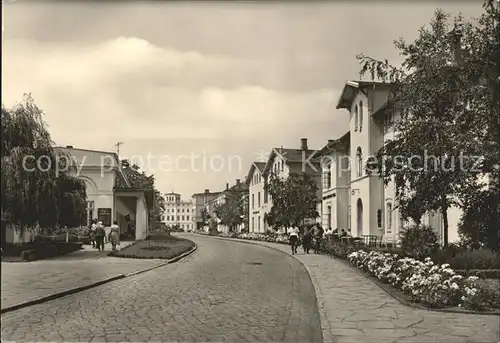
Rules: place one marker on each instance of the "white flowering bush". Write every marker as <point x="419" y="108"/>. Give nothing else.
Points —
<point x="425" y="282"/>
<point x="273" y="238"/>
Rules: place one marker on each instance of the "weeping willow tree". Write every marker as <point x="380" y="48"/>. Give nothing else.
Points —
<point x="36" y="191"/>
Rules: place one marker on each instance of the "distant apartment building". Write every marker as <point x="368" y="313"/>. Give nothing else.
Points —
<point x="281" y="162"/>
<point x="178" y="213"/>
<point x="198" y="207"/>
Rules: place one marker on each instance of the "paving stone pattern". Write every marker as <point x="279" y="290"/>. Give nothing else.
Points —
<point x="354" y="309"/>
<point x="26" y="281"/>
<point x="223" y="292"/>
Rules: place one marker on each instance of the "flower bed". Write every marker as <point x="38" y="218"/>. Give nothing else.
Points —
<point x="156" y="247"/>
<point x="432" y="285"/>
<point x="272" y="238"/>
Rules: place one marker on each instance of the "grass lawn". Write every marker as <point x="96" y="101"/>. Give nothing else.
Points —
<point x="157" y="246"/>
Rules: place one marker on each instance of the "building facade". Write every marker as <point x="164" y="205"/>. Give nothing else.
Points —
<point x="353" y="199"/>
<point x="178" y="213"/>
<point x="198" y="207"/>
<point x="336" y="197"/>
<point x="257" y="202"/>
<point x="110" y="194"/>
<point x="281" y="162"/>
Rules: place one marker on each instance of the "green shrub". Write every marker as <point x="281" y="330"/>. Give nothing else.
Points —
<point x="418" y="241"/>
<point x="339" y="250"/>
<point x="475" y="259"/>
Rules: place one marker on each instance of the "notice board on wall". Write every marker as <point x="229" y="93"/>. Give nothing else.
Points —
<point x="104" y="216"/>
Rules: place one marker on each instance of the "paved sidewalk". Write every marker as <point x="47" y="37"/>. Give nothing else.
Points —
<point x="354" y="309"/>
<point x="26" y="281"/>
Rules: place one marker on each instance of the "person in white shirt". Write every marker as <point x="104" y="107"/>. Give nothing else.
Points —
<point x="294" y="239"/>
<point x="93" y="228"/>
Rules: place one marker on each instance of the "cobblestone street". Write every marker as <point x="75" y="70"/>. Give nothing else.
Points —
<point x="224" y="291"/>
<point x="354" y="309"/>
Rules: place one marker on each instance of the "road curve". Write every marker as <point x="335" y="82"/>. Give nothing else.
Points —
<point x="225" y="291"/>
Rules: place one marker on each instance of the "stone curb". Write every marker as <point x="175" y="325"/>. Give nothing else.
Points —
<point x="384" y="287"/>
<point x="92" y="285"/>
<point x="60" y="294"/>
<point x="325" y="324"/>
<point x="172" y="260"/>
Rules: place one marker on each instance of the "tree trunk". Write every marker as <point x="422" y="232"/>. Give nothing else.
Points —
<point x="444" y="212"/>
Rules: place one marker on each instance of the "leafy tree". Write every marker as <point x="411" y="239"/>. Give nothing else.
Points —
<point x="435" y="93"/>
<point x="233" y="211"/>
<point x="204" y="215"/>
<point x="45" y="194"/>
<point x="480" y="216"/>
<point x="294" y="200"/>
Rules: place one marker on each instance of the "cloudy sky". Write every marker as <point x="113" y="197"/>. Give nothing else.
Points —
<point x="200" y="88"/>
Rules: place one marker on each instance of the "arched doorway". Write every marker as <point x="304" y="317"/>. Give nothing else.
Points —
<point x="360" y="217"/>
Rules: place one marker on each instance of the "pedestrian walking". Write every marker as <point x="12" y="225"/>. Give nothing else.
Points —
<point x="107" y="230"/>
<point x="306" y="240"/>
<point x="114" y="235"/>
<point x="318" y="237"/>
<point x="294" y="239"/>
<point x="93" y="228"/>
<point x="100" y="233"/>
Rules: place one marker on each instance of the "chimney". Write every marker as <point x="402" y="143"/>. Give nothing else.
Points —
<point x="330" y="141"/>
<point x="227" y="186"/>
<point x="303" y="145"/>
<point x="207" y="191"/>
<point x="238" y="182"/>
<point x="69" y="146"/>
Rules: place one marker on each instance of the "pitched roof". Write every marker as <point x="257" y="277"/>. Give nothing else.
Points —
<point x="292" y="156"/>
<point x="334" y="143"/>
<point x="351" y="88"/>
<point x="137" y="179"/>
<point x="260" y="166"/>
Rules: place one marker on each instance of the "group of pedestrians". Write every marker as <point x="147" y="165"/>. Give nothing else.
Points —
<point x="310" y="237"/>
<point x="98" y="235"/>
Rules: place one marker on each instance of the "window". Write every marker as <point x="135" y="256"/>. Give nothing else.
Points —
<point x="359" y="159"/>
<point x="356" y="118"/>
<point x="178" y="218"/>
<point x="379" y="218"/>
<point x="253" y="200"/>
<point x="327" y="177"/>
<point x="388" y="216"/>
<point x="329" y="216"/>
<point x="360" y="116"/>
<point x="90" y="212"/>
<point x="253" y="224"/>
<point x="258" y="199"/>
<point x="182" y="218"/>
<point x="258" y="223"/>
<point x="187" y="217"/>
